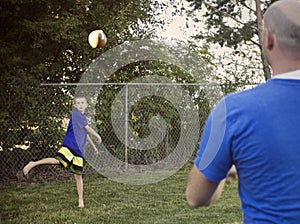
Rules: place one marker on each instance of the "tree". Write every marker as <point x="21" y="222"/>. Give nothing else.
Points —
<point x="46" y="42"/>
<point x="145" y="109"/>
<point x="227" y="25"/>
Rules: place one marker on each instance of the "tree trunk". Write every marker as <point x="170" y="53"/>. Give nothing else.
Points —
<point x="266" y="68"/>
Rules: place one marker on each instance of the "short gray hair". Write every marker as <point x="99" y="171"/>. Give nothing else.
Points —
<point x="283" y="19"/>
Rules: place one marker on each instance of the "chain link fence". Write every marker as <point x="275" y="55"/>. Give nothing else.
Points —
<point x="127" y="120"/>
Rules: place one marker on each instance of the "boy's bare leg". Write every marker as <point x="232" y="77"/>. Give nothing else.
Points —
<point x="79" y="184"/>
<point x="30" y="165"/>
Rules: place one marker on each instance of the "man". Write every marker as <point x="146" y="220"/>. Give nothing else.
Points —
<point x="258" y="131"/>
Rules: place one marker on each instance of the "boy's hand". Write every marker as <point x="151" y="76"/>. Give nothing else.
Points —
<point x="99" y="140"/>
<point x="96" y="151"/>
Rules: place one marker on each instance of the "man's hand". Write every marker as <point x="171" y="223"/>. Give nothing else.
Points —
<point x="232" y="174"/>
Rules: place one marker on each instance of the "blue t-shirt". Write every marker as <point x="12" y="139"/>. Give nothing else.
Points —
<point x="75" y="138"/>
<point x="258" y="130"/>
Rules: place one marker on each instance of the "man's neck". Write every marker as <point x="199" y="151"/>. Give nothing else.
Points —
<point x="285" y="68"/>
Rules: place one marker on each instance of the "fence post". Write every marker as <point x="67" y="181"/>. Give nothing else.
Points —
<point x="126" y="126"/>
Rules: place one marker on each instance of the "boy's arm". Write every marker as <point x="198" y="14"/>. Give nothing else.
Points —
<point x="92" y="143"/>
<point x="93" y="132"/>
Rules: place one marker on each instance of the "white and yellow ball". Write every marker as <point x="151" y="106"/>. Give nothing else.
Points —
<point x="97" y="39"/>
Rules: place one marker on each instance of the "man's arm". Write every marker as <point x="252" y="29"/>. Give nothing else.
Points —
<point x="200" y="191"/>
<point x="93" y="132"/>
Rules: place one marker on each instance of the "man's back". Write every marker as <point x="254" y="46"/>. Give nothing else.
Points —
<point x="265" y="127"/>
<point x="261" y="132"/>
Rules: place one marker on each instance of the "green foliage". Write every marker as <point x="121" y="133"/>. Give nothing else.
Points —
<point x="218" y="15"/>
<point x="234" y="24"/>
<point x="46" y="41"/>
<point x="142" y="112"/>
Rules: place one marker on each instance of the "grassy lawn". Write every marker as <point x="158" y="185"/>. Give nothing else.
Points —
<point x="110" y="202"/>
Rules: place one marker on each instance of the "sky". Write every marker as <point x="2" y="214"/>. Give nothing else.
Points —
<point x="176" y="28"/>
<point x="176" y="25"/>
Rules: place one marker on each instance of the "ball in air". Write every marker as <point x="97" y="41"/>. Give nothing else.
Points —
<point x="97" y="39"/>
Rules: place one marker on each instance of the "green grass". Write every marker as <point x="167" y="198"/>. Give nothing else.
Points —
<point x="110" y="202"/>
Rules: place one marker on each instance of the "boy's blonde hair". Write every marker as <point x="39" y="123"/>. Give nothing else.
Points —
<point x="77" y="96"/>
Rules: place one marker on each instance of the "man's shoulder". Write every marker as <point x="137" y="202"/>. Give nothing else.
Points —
<point x="249" y="95"/>
<point x="247" y="101"/>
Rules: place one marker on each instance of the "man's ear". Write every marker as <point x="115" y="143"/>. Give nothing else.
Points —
<point x="270" y="38"/>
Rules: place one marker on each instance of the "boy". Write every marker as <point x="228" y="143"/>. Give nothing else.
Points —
<point x="72" y="151"/>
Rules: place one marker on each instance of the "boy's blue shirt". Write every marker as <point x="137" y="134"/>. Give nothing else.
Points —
<point x="75" y="138"/>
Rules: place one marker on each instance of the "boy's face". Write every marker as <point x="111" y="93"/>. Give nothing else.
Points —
<point x="80" y="104"/>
